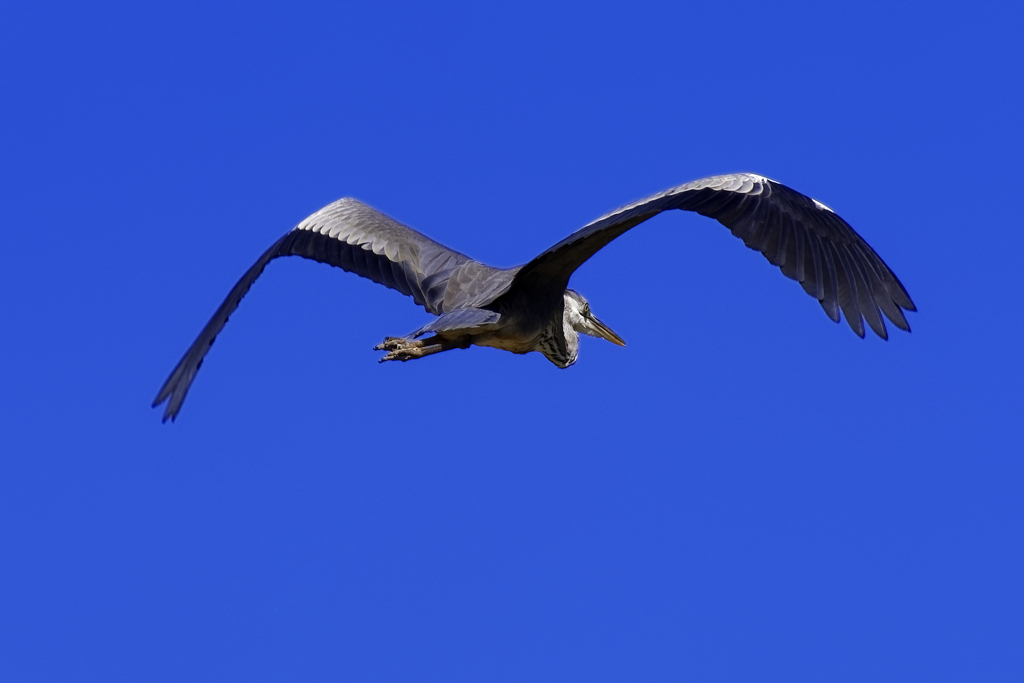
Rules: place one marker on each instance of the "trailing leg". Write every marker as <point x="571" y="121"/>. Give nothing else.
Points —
<point x="403" y="349"/>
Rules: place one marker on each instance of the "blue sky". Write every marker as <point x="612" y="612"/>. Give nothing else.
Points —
<point x="745" y="492"/>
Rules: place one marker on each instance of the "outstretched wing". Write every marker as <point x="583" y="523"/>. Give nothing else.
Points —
<point x="353" y="236"/>
<point x="800" y="235"/>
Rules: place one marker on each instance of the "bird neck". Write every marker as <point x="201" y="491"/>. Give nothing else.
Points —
<point x="559" y="341"/>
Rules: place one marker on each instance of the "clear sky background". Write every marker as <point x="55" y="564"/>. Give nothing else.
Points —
<point x="746" y="492"/>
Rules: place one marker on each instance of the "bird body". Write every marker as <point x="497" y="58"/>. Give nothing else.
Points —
<point x="531" y="308"/>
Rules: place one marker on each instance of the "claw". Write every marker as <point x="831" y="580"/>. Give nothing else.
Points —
<point x="394" y="344"/>
<point x="403" y="348"/>
<point x="398" y="348"/>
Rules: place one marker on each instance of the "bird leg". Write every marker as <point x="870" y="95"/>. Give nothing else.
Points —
<point x="403" y="349"/>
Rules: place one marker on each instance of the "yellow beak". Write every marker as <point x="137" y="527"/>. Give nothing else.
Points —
<point x="605" y="332"/>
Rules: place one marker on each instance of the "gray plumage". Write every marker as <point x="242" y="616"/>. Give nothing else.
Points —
<point x="530" y="308"/>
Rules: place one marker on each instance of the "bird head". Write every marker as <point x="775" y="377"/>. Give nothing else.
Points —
<point x="578" y="315"/>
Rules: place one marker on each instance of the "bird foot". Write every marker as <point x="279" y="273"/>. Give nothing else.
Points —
<point x="400" y="348"/>
<point x="395" y="343"/>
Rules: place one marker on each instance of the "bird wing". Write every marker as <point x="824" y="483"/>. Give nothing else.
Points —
<point x="357" y="238"/>
<point x="800" y="235"/>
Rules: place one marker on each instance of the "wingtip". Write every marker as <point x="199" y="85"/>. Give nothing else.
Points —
<point x="169" y="414"/>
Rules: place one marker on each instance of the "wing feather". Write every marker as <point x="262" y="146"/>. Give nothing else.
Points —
<point x="806" y="239"/>
<point x="355" y="237"/>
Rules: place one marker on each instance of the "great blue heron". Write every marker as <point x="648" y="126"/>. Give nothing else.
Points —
<point x="530" y="308"/>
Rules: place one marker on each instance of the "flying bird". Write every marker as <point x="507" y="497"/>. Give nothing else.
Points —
<point x="530" y="307"/>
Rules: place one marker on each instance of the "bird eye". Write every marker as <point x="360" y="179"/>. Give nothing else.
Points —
<point x="586" y="310"/>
